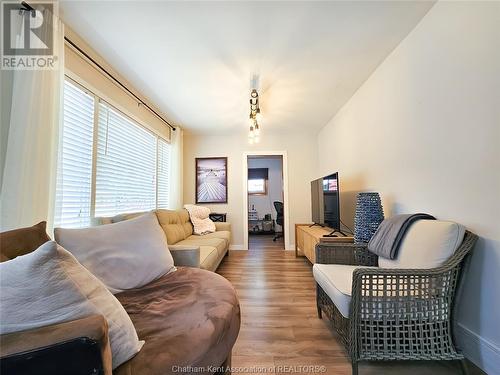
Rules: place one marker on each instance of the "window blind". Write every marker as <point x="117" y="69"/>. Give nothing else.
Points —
<point x="258" y="173"/>
<point x="126" y="165"/>
<point x="74" y="171"/>
<point x="163" y="174"/>
<point x="131" y="169"/>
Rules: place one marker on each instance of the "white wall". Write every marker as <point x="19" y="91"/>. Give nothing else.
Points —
<point x="264" y="203"/>
<point x="301" y="150"/>
<point x="424" y="131"/>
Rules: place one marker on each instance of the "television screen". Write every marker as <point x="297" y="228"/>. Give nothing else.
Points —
<point x="325" y="201"/>
<point x="316" y="198"/>
<point x="331" y="201"/>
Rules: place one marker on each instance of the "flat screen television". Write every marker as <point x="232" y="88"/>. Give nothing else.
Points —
<point x="325" y="200"/>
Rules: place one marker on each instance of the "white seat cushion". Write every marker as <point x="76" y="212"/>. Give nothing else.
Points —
<point x="426" y="244"/>
<point x="336" y="281"/>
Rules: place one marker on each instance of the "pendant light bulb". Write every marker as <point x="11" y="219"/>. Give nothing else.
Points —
<point x="258" y="115"/>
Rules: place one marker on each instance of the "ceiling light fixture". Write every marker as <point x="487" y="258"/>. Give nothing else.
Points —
<point x="254" y="118"/>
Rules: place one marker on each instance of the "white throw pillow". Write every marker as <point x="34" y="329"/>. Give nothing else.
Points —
<point x="426" y="244"/>
<point x="124" y="255"/>
<point x="49" y="286"/>
<point x="200" y="220"/>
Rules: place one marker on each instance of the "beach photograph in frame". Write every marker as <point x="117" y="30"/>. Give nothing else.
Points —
<point x="211" y="180"/>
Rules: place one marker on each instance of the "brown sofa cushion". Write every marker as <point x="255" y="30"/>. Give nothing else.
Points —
<point x="190" y="317"/>
<point x="14" y="243"/>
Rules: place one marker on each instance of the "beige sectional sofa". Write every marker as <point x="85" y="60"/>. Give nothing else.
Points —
<point x="205" y="251"/>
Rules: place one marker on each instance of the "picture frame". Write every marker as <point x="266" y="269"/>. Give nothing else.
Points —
<point x="211" y="180"/>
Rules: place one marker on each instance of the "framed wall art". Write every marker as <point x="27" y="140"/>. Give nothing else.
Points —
<point x="211" y="180"/>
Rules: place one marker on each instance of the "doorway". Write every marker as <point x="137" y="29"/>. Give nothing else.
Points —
<point x="265" y="193"/>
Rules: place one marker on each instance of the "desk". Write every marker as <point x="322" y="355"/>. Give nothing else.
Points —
<point x="260" y="226"/>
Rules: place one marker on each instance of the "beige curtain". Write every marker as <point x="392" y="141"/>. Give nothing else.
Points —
<point x="176" y="176"/>
<point x="31" y="116"/>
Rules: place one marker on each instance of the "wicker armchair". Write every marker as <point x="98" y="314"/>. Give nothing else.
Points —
<point x="395" y="314"/>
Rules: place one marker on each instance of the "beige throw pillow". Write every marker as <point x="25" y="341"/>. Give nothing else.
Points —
<point x="49" y="286"/>
<point x="124" y="255"/>
<point x="200" y="220"/>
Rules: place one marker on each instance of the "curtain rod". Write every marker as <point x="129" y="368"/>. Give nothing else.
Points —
<point x="117" y="81"/>
<point x="27" y="7"/>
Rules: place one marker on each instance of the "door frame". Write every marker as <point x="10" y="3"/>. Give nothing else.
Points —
<point x="286" y="215"/>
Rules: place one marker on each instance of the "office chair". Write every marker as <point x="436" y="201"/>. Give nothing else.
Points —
<point x="278" y="206"/>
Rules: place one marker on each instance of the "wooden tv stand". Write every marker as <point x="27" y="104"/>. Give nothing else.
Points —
<point x="307" y="236"/>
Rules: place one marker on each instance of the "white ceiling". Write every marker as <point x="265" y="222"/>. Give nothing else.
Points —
<point x="196" y="60"/>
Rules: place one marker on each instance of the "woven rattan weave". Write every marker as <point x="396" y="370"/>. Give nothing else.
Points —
<point x="395" y="314"/>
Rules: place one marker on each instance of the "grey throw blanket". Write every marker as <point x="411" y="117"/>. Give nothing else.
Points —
<point x="386" y="240"/>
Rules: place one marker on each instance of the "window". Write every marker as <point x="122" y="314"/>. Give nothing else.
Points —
<point x="257" y="186"/>
<point x="126" y="165"/>
<point x="74" y="171"/>
<point x="257" y="181"/>
<point x="108" y="164"/>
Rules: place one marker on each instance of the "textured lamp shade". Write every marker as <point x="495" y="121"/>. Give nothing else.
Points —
<point x="369" y="215"/>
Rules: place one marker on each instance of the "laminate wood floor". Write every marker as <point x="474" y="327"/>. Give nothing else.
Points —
<point x="279" y="324"/>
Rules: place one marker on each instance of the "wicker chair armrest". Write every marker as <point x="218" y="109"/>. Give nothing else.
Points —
<point x="345" y="253"/>
<point x="387" y="291"/>
<point x="383" y="291"/>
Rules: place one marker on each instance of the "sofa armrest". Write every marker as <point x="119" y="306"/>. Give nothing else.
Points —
<point x="222" y="226"/>
<point x="186" y="256"/>
<point x="58" y="349"/>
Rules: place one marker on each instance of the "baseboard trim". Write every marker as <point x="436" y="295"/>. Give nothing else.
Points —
<point x="237" y="247"/>
<point x="483" y="353"/>
<point x="290" y="247"/>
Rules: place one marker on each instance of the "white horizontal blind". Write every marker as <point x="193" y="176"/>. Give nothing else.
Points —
<point x="74" y="170"/>
<point x="163" y="174"/>
<point x="132" y="165"/>
<point x="126" y="165"/>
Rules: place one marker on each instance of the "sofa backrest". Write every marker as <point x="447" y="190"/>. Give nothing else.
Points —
<point x="116" y="219"/>
<point x="175" y="224"/>
<point x="186" y="222"/>
<point x="426" y="244"/>
<point x="17" y="242"/>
